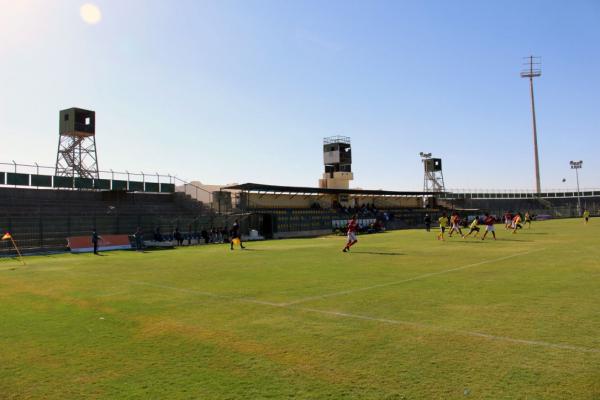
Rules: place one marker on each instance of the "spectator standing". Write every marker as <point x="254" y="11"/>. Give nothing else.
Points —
<point x="178" y="237"/>
<point x="157" y="235"/>
<point x="427" y="221"/>
<point x="138" y="236"/>
<point x="95" y="239"/>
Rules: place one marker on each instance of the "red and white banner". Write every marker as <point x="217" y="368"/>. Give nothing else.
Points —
<point x="83" y="244"/>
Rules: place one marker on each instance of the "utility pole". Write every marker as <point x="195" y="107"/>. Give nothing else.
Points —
<point x="533" y="70"/>
<point x="576" y="165"/>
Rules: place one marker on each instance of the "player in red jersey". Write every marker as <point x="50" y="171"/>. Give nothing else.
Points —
<point x="508" y="217"/>
<point x="489" y="226"/>
<point x="455" y="225"/>
<point x="352" y="229"/>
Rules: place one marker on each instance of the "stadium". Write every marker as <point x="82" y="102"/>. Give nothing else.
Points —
<point x="119" y="284"/>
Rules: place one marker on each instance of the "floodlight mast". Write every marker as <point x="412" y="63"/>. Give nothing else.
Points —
<point x="577" y="165"/>
<point x="533" y="70"/>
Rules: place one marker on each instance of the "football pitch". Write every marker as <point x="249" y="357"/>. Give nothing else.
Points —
<point x="402" y="316"/>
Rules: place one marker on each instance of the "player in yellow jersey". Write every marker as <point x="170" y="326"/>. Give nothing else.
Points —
<point x="528" y="220"/>
<point x="443" y="221"/>
<point x="473" y="228"/>
<point x="586" y="216"/>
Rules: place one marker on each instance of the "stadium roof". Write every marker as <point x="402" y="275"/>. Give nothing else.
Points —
<point x="257" y="187"/>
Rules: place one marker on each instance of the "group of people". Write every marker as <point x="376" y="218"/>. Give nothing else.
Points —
<point x="365" y="209"/>
<point x="454" y="224"/>
<point x="513" y="221"/>
<point x="233" y="236"/>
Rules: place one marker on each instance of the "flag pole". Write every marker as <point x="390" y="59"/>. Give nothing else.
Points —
<point x="17" y="249"/>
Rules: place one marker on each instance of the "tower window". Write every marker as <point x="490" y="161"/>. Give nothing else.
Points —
<point x="88" y="120"/>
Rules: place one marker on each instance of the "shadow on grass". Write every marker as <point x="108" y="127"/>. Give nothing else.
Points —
<point x="378" y="253"/>
<point x="152" y="249"/>
<point x="487" y="239"/>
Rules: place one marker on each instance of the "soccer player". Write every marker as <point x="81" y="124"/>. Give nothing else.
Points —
<point x="455" y="225"/>
<point x="443" y="220"/>
<point x="352" y="229"/>
<point x="236" y="235"/>
<point x="586" y="216"/>
<point x="528" y="220"/>
<point x="473" y="228"/>
<point x="507" y="220"/>
<point x="489" y="226"/>
<point x="516" y="223"/>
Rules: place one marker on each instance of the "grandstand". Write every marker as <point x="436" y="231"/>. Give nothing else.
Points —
<point x="291" y="211"/>
<point x="41" y="220"/>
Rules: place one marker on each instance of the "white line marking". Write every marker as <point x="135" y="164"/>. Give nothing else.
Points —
<point x="375" y="319"/>
<point x="458" y="332"/>
<point x="415" y="278"/>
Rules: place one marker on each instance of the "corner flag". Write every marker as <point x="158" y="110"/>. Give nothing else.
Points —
<point x="8" y="236"/>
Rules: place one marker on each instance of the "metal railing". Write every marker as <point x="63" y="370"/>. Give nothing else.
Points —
<point x="519" y="193"/>
<point x="112" y="175"/>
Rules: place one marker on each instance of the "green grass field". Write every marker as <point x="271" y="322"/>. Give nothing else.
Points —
<point x="403" y="316"/>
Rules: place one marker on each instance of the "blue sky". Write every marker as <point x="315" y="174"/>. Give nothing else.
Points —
<point x="244" y="91"/>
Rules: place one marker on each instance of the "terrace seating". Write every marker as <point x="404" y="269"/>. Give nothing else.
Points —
<point x="42" y="219"/>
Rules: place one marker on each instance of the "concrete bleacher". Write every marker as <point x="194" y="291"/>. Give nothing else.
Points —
<point x="41" y="220"/>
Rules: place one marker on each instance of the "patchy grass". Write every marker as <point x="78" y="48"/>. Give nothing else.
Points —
<point x="402" y="317"/>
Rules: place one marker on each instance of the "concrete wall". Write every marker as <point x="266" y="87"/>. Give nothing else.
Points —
<point x="288" y="201"/>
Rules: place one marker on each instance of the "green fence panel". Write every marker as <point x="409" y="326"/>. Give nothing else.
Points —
<point x="2" y="177"/>
<point x="17" y="179"/>
<point x="103" y="184"/>
<point x="167" y="188"/>
<point x="119" y="185"/>
<point x="63" y="182"/>
<point x="151" y="187"/>
<point x="135" y="186"/>
<point x="84" y="183"/>
<point x="41" y="180"/>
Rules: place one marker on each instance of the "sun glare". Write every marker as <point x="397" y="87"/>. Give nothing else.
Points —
<point x="90" y="13"/>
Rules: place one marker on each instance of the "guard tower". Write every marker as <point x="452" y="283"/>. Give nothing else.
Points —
<point x="433" y="178"/>
<point x="337" y="157"/>
<point x="76" y="156"/>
